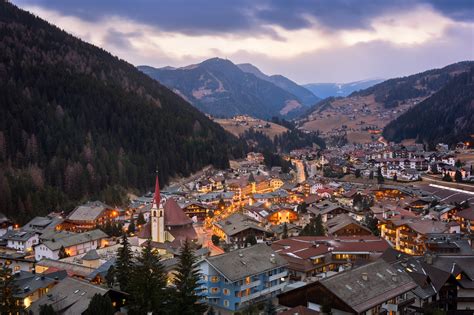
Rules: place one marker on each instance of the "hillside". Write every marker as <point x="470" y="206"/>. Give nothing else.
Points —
<point x="239" y="127"/>
<point x="77" y="123"/>
<point x="218" y="87"/>
<point x="305" y="96"/>
<point x="447" y="116"/>
<point x="363" y="114"/>
<point x="325" y="90"/>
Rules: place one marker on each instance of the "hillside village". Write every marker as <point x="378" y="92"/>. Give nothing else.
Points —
<point x="359" y="213"/>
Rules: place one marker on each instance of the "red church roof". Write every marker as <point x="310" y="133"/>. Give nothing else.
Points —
<point x="174" y="215"/>
<point x="157" y="192"/>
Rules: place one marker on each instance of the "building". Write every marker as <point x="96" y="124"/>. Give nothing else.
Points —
<point x="31" y="286"/>
<point x="237" y="227"/>
<point x="314" y="257"/>
<point x="72" y="296"/>
<point x="374" y="288"/>
<point x="22" y="241"/>
<point x="73" y="244"/>
<point x="409" y="233"/>
<point x="345" y="225"/>
<point x="234" y="280"/>
<point x="168" y="222"/>
<point x="465" y="218"/>
<point x="88" y="216"/>
<point x="196" y="209"/>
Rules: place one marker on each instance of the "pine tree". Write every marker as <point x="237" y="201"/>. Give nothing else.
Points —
<point x="110" y="277"/>
<point x="148" y="284"/>
<point x="380" y="178"/>
<point x="124" y="264"/>
<point x="47" y="309"/>
<point x="8" y="289"/>
<point x="100" y="304"/>
<point x="318" y="226"/>
<point x="285" y="231"/>
<point x="270" y="309"/>
<point x="62" y="253"/>
<point x="131" y="226"/>
<point x="458" y="176"/>
<point x="250" y="239"/>
<point x="141" y="219"/>
<point x="187" y="282"/>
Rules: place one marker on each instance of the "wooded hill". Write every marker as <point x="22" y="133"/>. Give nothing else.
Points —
<point x="77" y="123"/>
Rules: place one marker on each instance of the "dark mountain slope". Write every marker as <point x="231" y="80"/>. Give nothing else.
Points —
<point x="306" y="97"/>
<point x="218" y="87"/>
<point x="78" y="123"/>
<point x="447" y="116"/>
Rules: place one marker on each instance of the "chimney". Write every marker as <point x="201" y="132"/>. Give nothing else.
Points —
<point x="272" y="259"/>
<point x="365" y="276"/>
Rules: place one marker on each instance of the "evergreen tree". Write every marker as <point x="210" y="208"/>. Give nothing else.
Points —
<point x="131" y="226"/>
<point x="47" y="309"/>
<point x="100" y="304"/>
<point x="124" y="264"/>
<point x="285" y="231"/>
<point x="270" y="309"/>
<point x="395" y="177"/>
<point x="318" y="226"/>
<point x="458" y="176"/>
<point x="8" y="289"/>
<point x="371" y="175"/>
<point x="215" y="239"/>
<point x="380" y="178"/>
<point x="110" y="277"/>
<point x="148" y="284"/>
<point x="141" y="219"/>
<point x="62" y="253"/>
<point x="447" y="177"/>
<point x="186" y="281"/>
<point x="357" y="173"/>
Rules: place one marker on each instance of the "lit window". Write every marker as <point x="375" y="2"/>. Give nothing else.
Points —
<point x="226" y="303"/>
<point x="214" y="279"/>
<point x="214" y="290"/>
<point x="226" y="291"/>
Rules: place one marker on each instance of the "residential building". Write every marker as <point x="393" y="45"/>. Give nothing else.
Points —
<point x="234" y="280"/>
<point x="20" y="240"/>
<point x="237" y="227"/>
<point x="88" y="216"/>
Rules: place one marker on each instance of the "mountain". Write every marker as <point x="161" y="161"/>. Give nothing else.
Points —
<point x="447" y="116"/>
<point x="220" y="88"/>
<point x="306" y="97"/>
<point x="77" y="123"/>
<point x="363" y="114"/>
<point x="325" y="90"/>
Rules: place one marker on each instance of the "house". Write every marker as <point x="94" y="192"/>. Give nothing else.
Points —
<point x="319" y="256"/>
<point x="234" y="280"/>
<point x="20" y="240"/>
<point x="16" y="261"/>
<point x="88" y="216"/>
<point x="195" y="209"/>
<point x="74" y="244"/>
<point x="374" y="288"/>
<point x="345" y="225"/>
<point x="72" y="296"/>
<point x="291" y="230"/>
<point x="237" y="227"/>
<point x="31" y="286"/>
<point x="465" y="218"/>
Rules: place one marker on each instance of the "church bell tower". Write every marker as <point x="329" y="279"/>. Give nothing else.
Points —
<point x="157" y="216"/>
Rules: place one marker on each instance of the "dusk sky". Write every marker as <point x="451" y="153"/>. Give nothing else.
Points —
<point x="308" y="41"/>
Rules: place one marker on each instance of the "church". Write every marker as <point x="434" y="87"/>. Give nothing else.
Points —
<point x="168" y="223"/>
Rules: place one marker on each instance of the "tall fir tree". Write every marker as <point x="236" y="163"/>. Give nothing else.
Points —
<point x="8" y="289"/>
<point x="124" y="264"/>
<point x="100" y="304"/>
<point x="147" y="286"/>
<point x="187" y="282"/>
<point x="47" y="309"/>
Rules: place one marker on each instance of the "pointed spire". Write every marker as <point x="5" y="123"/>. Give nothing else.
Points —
<point x="157" y="192"/>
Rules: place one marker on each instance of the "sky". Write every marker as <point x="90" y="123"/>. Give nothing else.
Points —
<point x="305" y="40"/>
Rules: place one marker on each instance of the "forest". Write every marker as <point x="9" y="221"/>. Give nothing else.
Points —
<point x="77" y="123"/>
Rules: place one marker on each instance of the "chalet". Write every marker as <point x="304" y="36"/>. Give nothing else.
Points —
<point x="374" y="288"/>
<point x="327" y="210"/>
<point x="74" y="244"/>
<point x="237" y="227"/>
<point x="465" y="218"/>
<point x="317" y="256"/>
<point x="88" y="216"/>
<point x="345" y="225"/>
<point x="196" y="209"/>
<point x="22" y="241"/>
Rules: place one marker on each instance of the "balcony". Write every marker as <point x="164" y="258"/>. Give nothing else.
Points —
<point x="251" y="285"/>
<point x="263" y="292"/>
<point x="278" y="276"/>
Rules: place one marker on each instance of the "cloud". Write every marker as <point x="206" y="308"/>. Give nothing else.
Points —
<point x="295" y="38"/>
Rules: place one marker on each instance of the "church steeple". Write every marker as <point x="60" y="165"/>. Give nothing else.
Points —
<point x="157" y="216"/>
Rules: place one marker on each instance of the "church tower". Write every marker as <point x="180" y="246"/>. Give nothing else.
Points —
<point x="157" y="217"/>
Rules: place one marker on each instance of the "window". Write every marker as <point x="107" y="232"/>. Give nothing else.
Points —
<point x="214" y="290"/>
<point x="226" y="291"/>
<point x="17" y="268"/>
<point x="214" y="279"/>
<point x="226" y="303"/>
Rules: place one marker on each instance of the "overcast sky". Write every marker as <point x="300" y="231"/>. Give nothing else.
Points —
<point x="308" y="41"/>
